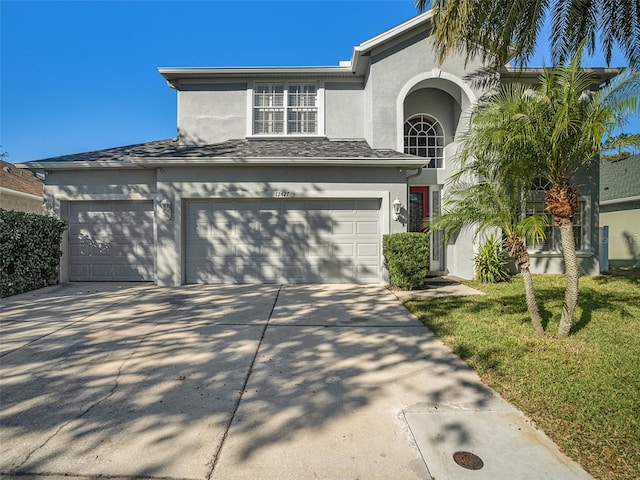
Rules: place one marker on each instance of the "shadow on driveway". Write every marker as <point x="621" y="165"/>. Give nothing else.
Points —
<point x="230" y="381"/>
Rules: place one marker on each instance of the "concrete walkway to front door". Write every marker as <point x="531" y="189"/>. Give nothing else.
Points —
<point x="246" y="382"/>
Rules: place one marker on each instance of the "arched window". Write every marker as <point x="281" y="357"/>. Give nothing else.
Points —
<point x="424" y="137"/>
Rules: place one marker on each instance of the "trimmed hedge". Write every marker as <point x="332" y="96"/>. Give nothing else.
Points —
<point x="407" y="257"/>
<point x="29" y="251"/>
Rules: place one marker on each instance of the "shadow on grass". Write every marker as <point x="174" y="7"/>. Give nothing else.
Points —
<point x="505" y="301"/>
<point x="485" y="358"/>
<point x="630" y="273"/>
<point x="591" y="301"/>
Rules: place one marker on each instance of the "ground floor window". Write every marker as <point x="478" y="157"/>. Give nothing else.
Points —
<point x="552" y="241"/>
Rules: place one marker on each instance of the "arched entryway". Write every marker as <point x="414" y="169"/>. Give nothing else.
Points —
<point x="430" y="112"/>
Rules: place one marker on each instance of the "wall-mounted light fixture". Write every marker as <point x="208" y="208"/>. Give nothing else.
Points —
<point x="397" y="208"/>
<point x="165" y="207"/>
<point x="47" y="208"/>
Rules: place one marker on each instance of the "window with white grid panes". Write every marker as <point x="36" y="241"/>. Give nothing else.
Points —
<point x="424" y="137"/>
<point x="552" y="241"/>
<point x="302" y="114"/>
<point x="268" y="109"/>
<point x="273" y="103"/>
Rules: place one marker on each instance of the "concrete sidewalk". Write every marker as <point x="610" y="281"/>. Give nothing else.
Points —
<point x="437" y="287"/>
<point x="247" y="382"/>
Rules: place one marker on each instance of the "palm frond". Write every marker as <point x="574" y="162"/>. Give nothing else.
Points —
<point x="500" y="30"/>
<point x="533" y="228"/>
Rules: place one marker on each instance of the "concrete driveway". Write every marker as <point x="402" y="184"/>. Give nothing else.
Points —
<point x="247" y="382"/>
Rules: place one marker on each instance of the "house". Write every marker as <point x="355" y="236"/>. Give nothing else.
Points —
<point x="620" y="209"/>
<point x="20" y="189"/>
<point x="285" y="174"/>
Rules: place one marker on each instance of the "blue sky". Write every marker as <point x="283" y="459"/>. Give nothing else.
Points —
<point x="77" y="76"/>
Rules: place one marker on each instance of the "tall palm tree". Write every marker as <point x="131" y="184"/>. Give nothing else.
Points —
<point x="552" y="131"/>
<point x="499" y="30"/>
<point x="493" y="203"/>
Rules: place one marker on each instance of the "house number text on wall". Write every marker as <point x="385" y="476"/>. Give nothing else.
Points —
<point x="281" y="194"/>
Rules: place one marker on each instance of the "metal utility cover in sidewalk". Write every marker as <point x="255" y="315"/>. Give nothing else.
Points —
<point x="508" y="445"/>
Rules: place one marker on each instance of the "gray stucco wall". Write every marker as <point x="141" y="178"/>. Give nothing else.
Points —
<point x="436" y="103"/>
<point x="344" y="110"/>
<point x="90" y="184"/>
<point x="212" y="113"/>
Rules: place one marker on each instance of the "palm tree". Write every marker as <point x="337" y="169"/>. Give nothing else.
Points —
<point x="499" y="30"/>
<point x="493" y="203"/>
<point x="551" y="131"/>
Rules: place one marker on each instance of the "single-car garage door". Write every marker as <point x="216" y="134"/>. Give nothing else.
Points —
<point x="283" y="241"/>
<point x="111" y="241"/>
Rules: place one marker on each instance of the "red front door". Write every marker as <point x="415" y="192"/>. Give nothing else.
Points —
<point x="418" y="208"/>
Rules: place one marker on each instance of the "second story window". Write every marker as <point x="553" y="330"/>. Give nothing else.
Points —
<point x="424" y="137"/>
<point x="285" y="109"/>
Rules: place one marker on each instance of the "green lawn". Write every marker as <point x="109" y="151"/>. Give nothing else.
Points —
<point x="584" y="391"/>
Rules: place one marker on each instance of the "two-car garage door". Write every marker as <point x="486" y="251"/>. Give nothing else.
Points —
<point x="282" y="240"/>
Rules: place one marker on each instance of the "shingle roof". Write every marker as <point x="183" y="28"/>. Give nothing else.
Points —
<point x="620" y="179"/>
<point x="243" y="148"/>
<point x="20" y="180"/>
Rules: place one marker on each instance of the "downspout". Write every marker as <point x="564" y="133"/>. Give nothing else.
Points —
<point x="418" y="172"/>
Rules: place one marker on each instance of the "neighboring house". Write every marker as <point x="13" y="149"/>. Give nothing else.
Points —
<point x="286" y="174"/>
<point x="620" y="209"/>
<point x="20" y="189"/>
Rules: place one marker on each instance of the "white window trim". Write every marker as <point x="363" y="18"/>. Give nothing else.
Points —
<point x="586" y="249"/>
<point x="319" y="103"/>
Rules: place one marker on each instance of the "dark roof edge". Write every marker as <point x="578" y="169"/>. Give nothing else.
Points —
<point x="601" y="74"/>
<point x="398" y="162"/>
<point x="37" y="166"/>
<point x="614" y="201"/>
<point x="159" y="162"/>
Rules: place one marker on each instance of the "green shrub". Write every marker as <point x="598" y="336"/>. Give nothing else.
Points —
<point x="491" y="261"/>
<point x="29" y="251"/>
<point x="407" y="258"/>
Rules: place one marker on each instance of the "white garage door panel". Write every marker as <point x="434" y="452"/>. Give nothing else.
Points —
<point x="111" y="241"/>
<point x="283" y="241"/>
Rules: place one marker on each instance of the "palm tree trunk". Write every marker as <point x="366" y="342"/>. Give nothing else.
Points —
<point x="517" y="249"/>
<point x="573" y="277"/>
<point x="532" y="306"/>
